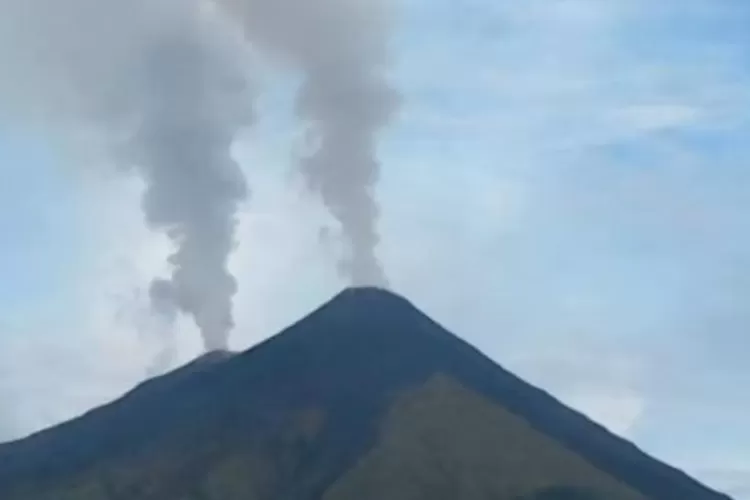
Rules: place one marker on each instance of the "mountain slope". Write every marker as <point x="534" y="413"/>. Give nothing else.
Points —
<point x="365" y="398"/>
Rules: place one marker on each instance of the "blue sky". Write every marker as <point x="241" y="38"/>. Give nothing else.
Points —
<point x="567" y="187"/>
<point x="39" y="208"/>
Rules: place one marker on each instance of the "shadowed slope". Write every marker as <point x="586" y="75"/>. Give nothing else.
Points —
<point x="303" y="414"/>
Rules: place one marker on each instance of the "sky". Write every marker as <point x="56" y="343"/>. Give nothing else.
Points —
<point x="566" y="186"/>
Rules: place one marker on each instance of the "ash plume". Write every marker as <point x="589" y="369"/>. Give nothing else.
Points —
<point x="194" y="186"/>
<point x="341" y="47"/>
<point x="164" y="85"/>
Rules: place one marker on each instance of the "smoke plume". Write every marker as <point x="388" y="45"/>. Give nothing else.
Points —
<point x="164" y="84"/>
<point x="194" y="187"/>
<point x="162" y="81"/>
<point x="340" y="46"/>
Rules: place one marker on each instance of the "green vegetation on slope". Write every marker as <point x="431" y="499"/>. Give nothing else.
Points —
<point x="442" y="441"/>
<point x="439" y="441"/>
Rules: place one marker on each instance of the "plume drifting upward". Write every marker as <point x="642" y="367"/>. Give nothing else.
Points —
<point x="164" y="84"/>
<point x="162" y="81"/>
<point x="341" y="48"/>
<point x="194" y="186"/>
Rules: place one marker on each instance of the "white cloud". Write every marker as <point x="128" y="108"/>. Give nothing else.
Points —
<point x="730" y="475"/>
<point x="655" y="117"/>
<point x="734" y="481"/>
<point x="57" y="368"/>
<point x="603" y="381"/>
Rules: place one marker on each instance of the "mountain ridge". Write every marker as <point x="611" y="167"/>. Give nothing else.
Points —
<point x="347" y="360"/>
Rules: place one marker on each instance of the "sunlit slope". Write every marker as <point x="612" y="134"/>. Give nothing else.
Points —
<point x="443" y="441"/>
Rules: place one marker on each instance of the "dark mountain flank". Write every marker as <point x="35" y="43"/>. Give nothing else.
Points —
<point x="365" y="399"/>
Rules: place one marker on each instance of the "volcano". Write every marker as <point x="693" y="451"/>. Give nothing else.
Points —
<point x="365" y="399"/>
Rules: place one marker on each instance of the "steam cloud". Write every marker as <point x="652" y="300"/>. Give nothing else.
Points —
<point x="341" y="47"/>
<point x="164" y="83"/>
<point x="194" y="186"/>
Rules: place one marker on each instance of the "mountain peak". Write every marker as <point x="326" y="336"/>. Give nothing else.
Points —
<point x="204" y="362"/>
<point x="294" y="416"/>
<point x="368" y="304"/>
<point x="363" y="313"/>
<point x="366" y="289"/>
<point x="370" y="296"/>
<point x="211" y="357"/>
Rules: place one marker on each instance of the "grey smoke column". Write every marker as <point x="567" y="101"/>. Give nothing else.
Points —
<point x="194" y="186"/>
<point x="340" y="45"/>
<point x="163" y="83"/>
